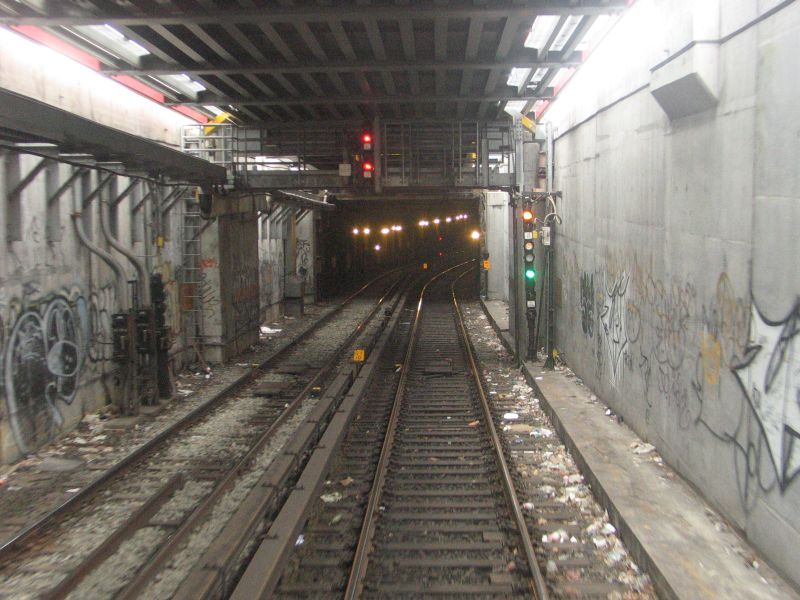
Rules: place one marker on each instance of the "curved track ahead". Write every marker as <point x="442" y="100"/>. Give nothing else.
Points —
<point x="433" y="510"/>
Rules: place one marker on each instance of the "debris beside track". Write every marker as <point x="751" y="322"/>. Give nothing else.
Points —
<point x="38" y="483"/>
<point x="579" y="548"/>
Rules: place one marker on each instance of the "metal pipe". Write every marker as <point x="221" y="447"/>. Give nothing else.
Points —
<point x="144" y="287"/>
<point x="119" y="285"/>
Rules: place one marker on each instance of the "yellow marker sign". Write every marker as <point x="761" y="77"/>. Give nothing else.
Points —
<point x="219" y="119"/>
<point x="528" y="124"/>
<point x="424" y="265"/>
<point x="486" y="265"/>
<point x="359" y="355"/>
<point x="535" y="234"/>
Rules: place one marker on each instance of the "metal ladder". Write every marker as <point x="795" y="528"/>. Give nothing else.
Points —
<point x="191" y="292"/>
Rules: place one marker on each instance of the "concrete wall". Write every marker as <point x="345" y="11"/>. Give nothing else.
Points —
<point x="496" y="219"/>
<point x="230" y="275"/>
<point x="31" y="69"/>
<point x="678" y="252"/>
<point x="271" y="242"/>
<point x="56" y="300"/>
<point x="306" y="253"/>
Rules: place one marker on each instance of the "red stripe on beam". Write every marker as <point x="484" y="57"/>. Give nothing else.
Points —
<point x="139" y="87"/>
<point x="48" y="39"/>
<point x="192" y="114"/>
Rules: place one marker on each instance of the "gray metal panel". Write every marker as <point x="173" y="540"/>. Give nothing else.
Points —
<point x="26" y="118"/>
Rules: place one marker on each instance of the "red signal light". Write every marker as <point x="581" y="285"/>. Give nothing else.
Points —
<point x="527" y="215"/>
<point x="366" y="138"/>
<point x="441" y="253"/>
<point x="440" y="238"/>
<point x="368" y="166"/>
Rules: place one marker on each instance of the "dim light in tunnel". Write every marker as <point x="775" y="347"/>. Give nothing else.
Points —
<point x="366" y="230"/>
<point x="356" y="231"/>
<point x="436" y="221"/>
<point x="377" y="247"/>
<point x="385" y="230"/>
<point x="475" y="235"/>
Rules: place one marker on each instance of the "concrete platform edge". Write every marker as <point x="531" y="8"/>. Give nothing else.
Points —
<point x="632" y="543"/>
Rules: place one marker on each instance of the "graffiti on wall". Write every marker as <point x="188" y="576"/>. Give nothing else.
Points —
<point x="612" y="317"/>
<point x="587" y="304"/>
<point x="271" y="271"/>
<point x="246" y="310"/>
<point x="721" y="365"/>
<point x="304" y="265"/>
<point x="44" y="350"/>
<point x="769" y="376"/>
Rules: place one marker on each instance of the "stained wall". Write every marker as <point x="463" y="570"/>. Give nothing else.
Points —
<point x="677" y="258"/>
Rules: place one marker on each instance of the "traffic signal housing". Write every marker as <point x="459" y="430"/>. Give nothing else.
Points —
<point x="367" y="154"/>
<point x="528" y="256"/>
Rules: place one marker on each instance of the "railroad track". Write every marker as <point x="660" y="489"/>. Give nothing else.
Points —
<point x="420" y="502"/>
<point x="118" y="532"/>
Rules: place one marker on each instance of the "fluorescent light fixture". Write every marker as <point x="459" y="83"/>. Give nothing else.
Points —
<point x="515" y="106"/>
<point x="566" y="33"/>
<point x="517" y="76"/>
<point x="542" y="28"/>
<point x="114" y="38"/>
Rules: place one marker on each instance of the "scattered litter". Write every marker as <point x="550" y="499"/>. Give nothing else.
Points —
<point x="332" y="497"/>
<point x="608" y="412"/>
<point x="600" y="543"/>
<point x="511" y="416"/>
<point x="642" y="448"/>
<point x="300" y="540"/>
<point x="527" y="506"/>
<point x="615" y="556"/>
<point x="511" y="566"/>
<point x="336" y="518"/>
<point x="538" y="378"/>
<point x="593" y="398"/>
<point x="474" y="424"/>
<point x="346" y="481"/>
<point x="541" y="432"/>
<point x="267" y="330"/>
<point x="609" y="529"/>
<point x="79" y="441"/>
<point x="242" y="365"/>
<point x="552" y="567"/>
<point x="73" y="490"/>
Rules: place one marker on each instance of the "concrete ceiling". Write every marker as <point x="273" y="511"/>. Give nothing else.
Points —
<point x="309" y="60"/>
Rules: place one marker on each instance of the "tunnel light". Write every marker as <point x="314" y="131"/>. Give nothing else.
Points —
<point x="475" y="235"/>
<point x="366" y="230"/>
<point x="356" y="231"/>
<point x="385" y="230"/>
<point x="436" y="221"/>
<point x="423" y="223"/>
<point x="398" y="228"/>
<point x="448" y="220"/>
<point x="377" y="247"/>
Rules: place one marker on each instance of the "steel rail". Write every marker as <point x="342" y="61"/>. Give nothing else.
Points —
<point x="165" y="552"/>
<point x="364" y="546"/>
<point x="11" y="546"/>
<point x="538" y="586"/>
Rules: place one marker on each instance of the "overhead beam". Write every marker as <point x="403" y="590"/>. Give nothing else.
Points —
<point x="522" y="62"/>
<point x="233" y="16"/>
<point x="305" y="101"/>
<point x="43" y="122"/>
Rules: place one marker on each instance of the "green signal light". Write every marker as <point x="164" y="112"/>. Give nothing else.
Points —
<point x="530" y="274"/>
